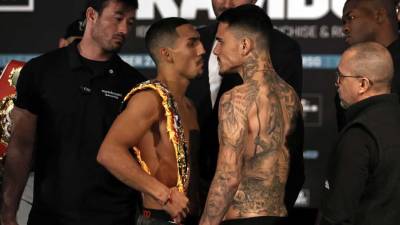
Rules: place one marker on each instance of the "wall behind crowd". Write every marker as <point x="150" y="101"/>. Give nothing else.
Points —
<point x="32" y="27"/>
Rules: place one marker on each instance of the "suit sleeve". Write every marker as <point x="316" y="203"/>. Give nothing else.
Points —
<point x="347" y="178"/>
<point x="295" y="69"/>
<point x="287" y="61"/>
<point x="296" y="175"/>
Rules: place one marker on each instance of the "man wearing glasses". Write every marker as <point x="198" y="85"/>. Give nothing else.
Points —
<point x="362" y="186"/>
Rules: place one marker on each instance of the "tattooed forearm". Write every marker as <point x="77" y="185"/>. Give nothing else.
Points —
<point x="233" y="132"/>
<point x="221" y="193"/>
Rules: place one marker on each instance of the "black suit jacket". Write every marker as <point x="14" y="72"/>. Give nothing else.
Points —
<point x="286" y="59"/>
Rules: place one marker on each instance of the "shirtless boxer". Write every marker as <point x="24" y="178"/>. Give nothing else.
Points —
<point x="257" y="123"/>
<point x="157" y="123"/>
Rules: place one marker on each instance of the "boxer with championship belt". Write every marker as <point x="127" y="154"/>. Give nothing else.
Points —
<point x="159" y="122"/>
<point x="8" y="82"/>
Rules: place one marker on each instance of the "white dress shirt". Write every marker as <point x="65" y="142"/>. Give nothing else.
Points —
<point x="213" y="76"/>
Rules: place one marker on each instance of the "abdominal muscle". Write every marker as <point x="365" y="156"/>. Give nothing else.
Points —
<point x="159" y="155"/>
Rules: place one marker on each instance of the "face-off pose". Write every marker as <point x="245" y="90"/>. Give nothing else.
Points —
<point x="257" y="120"/>
<point x="159" y="122"/>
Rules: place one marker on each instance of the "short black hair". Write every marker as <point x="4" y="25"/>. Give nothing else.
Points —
<point x="76" y="28"/>
<point x="99" y="5"/>
<point x="251" y="19"/>
<point x="388" y="5"/>
<point x="163" y="34"/>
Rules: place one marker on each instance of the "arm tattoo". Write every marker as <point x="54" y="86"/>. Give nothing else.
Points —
<point x="233" y="111"/>
<point x="233" y="131"/>
<point x="221" y="193"/>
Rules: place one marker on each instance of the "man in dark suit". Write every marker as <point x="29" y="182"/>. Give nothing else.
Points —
<point x="362" y="183"/>
<point x="206" y="90"/>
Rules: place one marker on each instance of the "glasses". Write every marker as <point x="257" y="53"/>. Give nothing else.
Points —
<point x="340" y="76"/>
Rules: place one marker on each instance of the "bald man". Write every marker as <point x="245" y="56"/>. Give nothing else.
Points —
<point x="372" y="20"/>
<point x="362" y="186"/>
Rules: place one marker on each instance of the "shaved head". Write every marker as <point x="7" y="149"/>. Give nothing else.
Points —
<point x="373" y="61"/>
<point x="370" y="20"/>
<point x="388" y="5"/>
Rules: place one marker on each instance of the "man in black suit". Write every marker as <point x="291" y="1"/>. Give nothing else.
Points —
<point x="206" y="90"/>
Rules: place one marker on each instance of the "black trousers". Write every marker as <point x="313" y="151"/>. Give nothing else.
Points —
<point x="160" y="217"/>
<point x="261" y="220"/>
<point x="154" y="217"/>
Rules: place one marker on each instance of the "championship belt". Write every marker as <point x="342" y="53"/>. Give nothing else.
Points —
<point x="174" y="129"/>
<point x="8" y="82"/>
